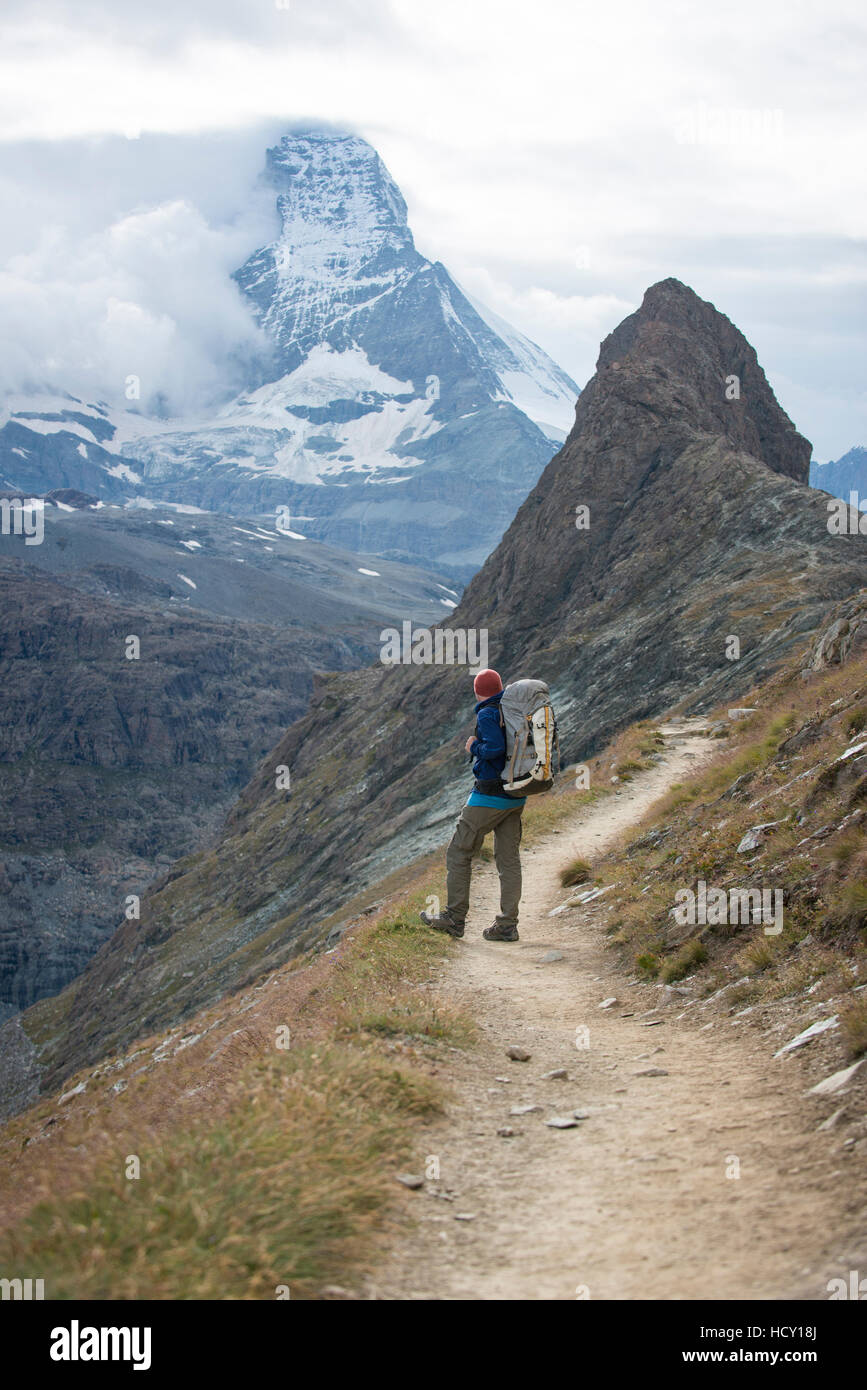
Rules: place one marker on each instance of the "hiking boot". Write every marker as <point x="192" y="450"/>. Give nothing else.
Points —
<point x="496" y="933"/>
<point x="443" y="923"/>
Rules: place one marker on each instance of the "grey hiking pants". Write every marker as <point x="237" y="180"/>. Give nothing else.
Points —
<point x="473" y="824"/>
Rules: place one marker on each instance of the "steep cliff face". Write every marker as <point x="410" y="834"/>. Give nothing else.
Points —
<point x="112" y="767"/>
<point x="705" y="561"/>
<point x="656" y="416"/>
<point x="113" y="760"/>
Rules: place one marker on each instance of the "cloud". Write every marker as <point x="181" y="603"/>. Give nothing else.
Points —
<point x="164" y="25"/>
<point x="149" y="296"/>
<point x="570" y="327"/>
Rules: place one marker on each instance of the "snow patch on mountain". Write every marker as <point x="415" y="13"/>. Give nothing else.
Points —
<point x="325" y="376"/>
<point x="123" y="470"/>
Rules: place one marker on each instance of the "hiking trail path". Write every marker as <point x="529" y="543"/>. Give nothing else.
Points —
<point x="635" y="1202"/>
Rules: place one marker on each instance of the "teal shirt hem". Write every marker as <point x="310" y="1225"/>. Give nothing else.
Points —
<point x="495" y="802"/>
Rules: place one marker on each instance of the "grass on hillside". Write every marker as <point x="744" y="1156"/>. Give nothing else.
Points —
<point x="777" y="766"/>
<point x="278" y="1192"/>
<point x="284" y="1182"/>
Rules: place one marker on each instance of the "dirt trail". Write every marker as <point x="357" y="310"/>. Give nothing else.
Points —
<point x="635" y="1201"/>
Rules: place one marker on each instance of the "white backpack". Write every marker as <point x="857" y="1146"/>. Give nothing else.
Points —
<point x="527" y="717"/>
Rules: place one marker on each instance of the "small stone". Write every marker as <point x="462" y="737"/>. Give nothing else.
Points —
<point x="525" y="1109"/>
<point x="609" y="1003"/>
<point x="518" y="1054"/>
<point x="836" y="1081"/>
<point x="651" y="1071"/>
<point x="814" y="1030"/>
<point x="559" y="1074"/>
<point x="587" y="896"/>
<point x="411" y="1180"/>
<point x="465" y="1216"/>
<point x="76" y="1091"/>
<point x="653" y="1023"/>
<point x="750" y="841"/>
<point x="581" y="1114"/>
<point x="562" y="1122"/>
<point x="506" y="1080"/>
<point x="506" y="1132"/>
<point x="832" y="1120"/>
<point x="550" y="956"/>
<point x="756" y="836"/>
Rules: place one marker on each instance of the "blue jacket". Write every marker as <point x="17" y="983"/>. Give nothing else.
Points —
<point x="488" y="749"/>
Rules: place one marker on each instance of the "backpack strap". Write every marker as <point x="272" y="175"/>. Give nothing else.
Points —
<point x="514" y="750"/>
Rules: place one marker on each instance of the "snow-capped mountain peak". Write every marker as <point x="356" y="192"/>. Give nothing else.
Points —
<point x="344" y="270"/>
<point x="394" y="413"/>
<point x="336" y="182"/>
<point x="344" y="240"/>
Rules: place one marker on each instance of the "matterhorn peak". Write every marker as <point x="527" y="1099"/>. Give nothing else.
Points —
<point x="391" y="412"/>
<point x="335" y="182"/>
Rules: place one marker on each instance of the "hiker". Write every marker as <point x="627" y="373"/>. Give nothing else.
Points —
<point x="489" y="808"/>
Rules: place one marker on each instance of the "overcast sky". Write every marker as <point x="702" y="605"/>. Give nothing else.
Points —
<point x="557" y="156"/>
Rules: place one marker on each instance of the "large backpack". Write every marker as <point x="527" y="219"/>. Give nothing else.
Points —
<point x="527" y="717"/>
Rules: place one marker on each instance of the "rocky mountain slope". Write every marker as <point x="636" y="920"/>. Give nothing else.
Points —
<point x="111" y="766"/>
<point x="706" y="561"/>
<point x="230" y="567"/>
<point x="393" y="416"/>
<point x="51" y="440"/>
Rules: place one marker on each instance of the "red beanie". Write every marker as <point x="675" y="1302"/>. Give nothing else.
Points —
<point x="487" y="683"/>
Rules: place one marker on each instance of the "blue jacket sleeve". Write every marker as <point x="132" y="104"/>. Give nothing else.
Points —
<point x="492" y="741"/>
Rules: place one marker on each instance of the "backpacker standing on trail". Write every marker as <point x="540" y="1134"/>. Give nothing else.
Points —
<point x="515" y="725"/>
